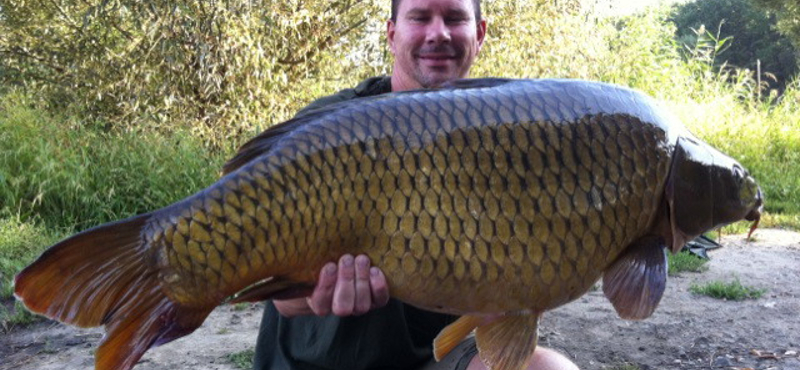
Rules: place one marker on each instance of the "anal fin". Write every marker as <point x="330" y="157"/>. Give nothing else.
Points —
<point x="453" y="334"/>
<point x="508" y="343"/>
<point x="635" y="282"/>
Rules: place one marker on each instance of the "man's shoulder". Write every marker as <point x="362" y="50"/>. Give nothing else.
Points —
<point x="369" y="87"/>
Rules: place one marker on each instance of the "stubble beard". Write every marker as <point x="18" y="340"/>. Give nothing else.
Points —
<point x="433" y="78"/>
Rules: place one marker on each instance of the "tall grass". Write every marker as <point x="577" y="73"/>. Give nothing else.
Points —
<point x="77" y="177"/>
<point x="20" y="243"/>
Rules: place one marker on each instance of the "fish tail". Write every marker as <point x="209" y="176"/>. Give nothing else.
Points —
<point x="108" y="276"/>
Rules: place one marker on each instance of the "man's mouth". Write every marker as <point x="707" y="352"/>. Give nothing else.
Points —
<point x="436" y="56"/>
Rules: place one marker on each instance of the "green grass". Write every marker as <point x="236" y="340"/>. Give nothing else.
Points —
<point x="241" y="306"/>
<point x="731" y="291"/>
<point x="75" y="177"/>
<point x="16" y="316"/>
<point x="20" y="244"/>
<point x="243" y="359"/>
<point x="686" y="262"/>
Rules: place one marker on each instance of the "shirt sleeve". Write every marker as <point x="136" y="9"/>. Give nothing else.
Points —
<point x="340" y="96"/>
<point x="371" y="86"/>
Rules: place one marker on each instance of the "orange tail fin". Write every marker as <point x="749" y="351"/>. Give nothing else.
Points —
<point x="108" y="276"/>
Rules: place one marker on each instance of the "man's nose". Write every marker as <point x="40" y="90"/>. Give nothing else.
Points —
<point x="438" y="31"/>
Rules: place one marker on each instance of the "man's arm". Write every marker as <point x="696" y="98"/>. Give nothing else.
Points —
<point x="351" y="288"/>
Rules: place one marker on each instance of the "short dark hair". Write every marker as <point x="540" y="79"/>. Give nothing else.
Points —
<point x="475" y="4"/>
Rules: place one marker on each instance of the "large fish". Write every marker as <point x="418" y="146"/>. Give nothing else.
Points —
<point x="493" y="199"/>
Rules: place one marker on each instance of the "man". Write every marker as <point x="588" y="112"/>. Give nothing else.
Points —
<point x="349" y="322"/>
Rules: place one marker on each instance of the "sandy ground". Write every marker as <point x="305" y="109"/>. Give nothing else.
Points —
<point x="686" y="332"/>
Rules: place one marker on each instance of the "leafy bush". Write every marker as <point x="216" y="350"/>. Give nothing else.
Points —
<point x="221" y="69"/>
<point x="788" y="14"/>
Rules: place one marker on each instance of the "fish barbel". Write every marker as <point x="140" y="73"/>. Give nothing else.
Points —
<point x="493" y="199"/>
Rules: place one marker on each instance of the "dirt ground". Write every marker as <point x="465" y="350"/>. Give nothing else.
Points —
<point x="686" y="332"/>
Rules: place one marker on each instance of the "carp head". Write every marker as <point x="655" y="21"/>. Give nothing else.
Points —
<point x="707" y="189"/>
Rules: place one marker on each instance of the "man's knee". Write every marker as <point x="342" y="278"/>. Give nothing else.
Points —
<point x="543" y="359"/>
<point x="548" y="359"/>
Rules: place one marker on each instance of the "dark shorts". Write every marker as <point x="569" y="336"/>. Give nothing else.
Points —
<point x="457" y="359"/>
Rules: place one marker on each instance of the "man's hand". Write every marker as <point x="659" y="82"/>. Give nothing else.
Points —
<point x="351" y="288"/>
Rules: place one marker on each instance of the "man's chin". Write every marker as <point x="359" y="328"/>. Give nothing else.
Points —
<point x="431" y="80"/>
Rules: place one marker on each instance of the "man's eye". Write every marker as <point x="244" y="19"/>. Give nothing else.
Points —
<point x="455" y="20"/>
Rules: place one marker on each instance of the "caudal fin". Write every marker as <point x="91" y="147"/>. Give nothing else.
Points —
<point x="108" y="276"/>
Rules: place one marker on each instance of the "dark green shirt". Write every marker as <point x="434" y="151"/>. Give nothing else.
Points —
<point x="397" y="336"/>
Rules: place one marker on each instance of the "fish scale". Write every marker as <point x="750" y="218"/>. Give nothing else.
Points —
<point x="542" y="243"/>
<point x="492" y="199"/>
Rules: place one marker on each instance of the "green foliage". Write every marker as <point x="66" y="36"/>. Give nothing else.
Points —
<point x="786" y="220"/>
<point x="537" y="43"/>
<point x="15" y="316"/>
<point x="72" y="176"/>
<point x="686" y="262"/>
<point x="764" y="137"/>
<point x="241" y="306"/>
<point x="222" y="69"/>
<point x="20" y="243"/>
<point x="750" y="31"/>
<point x="731" y="291"/>
<point x="788" y="14"/>
<point x="243" y="359"/>
<point x="199" y="73"/>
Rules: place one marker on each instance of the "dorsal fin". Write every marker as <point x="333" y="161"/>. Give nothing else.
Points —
<point x="265" y="140"/>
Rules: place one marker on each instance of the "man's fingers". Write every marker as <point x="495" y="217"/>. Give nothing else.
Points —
<point x="321" y="298"/>
<point x="344" y="293"/>
<point x="380" y="289"/>
<point x="350" y="288"/>
<point x="363" y="298"/>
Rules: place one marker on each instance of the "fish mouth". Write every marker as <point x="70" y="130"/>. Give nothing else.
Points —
<point x="755" y="214"/>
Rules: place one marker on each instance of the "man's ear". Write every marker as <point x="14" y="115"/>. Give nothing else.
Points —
<point x="480" y="32"/>
<point x="390" y="34"/>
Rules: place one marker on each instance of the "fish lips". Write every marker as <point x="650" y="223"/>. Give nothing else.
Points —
<point x="758" y="208"/>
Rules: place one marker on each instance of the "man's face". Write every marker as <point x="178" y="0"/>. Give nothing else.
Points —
<point x="433" y="42"/>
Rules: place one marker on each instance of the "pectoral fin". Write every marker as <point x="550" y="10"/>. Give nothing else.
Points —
<point x="453" y="334"/>
<point x="636" y="281"/>
<point x="273" y="288"/>
<point x="508" y="342"/>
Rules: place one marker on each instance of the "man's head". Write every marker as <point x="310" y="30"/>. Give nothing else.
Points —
<point x="433" y="41"/>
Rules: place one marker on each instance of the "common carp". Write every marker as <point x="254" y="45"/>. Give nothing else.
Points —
<point x="493" y="199"/>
